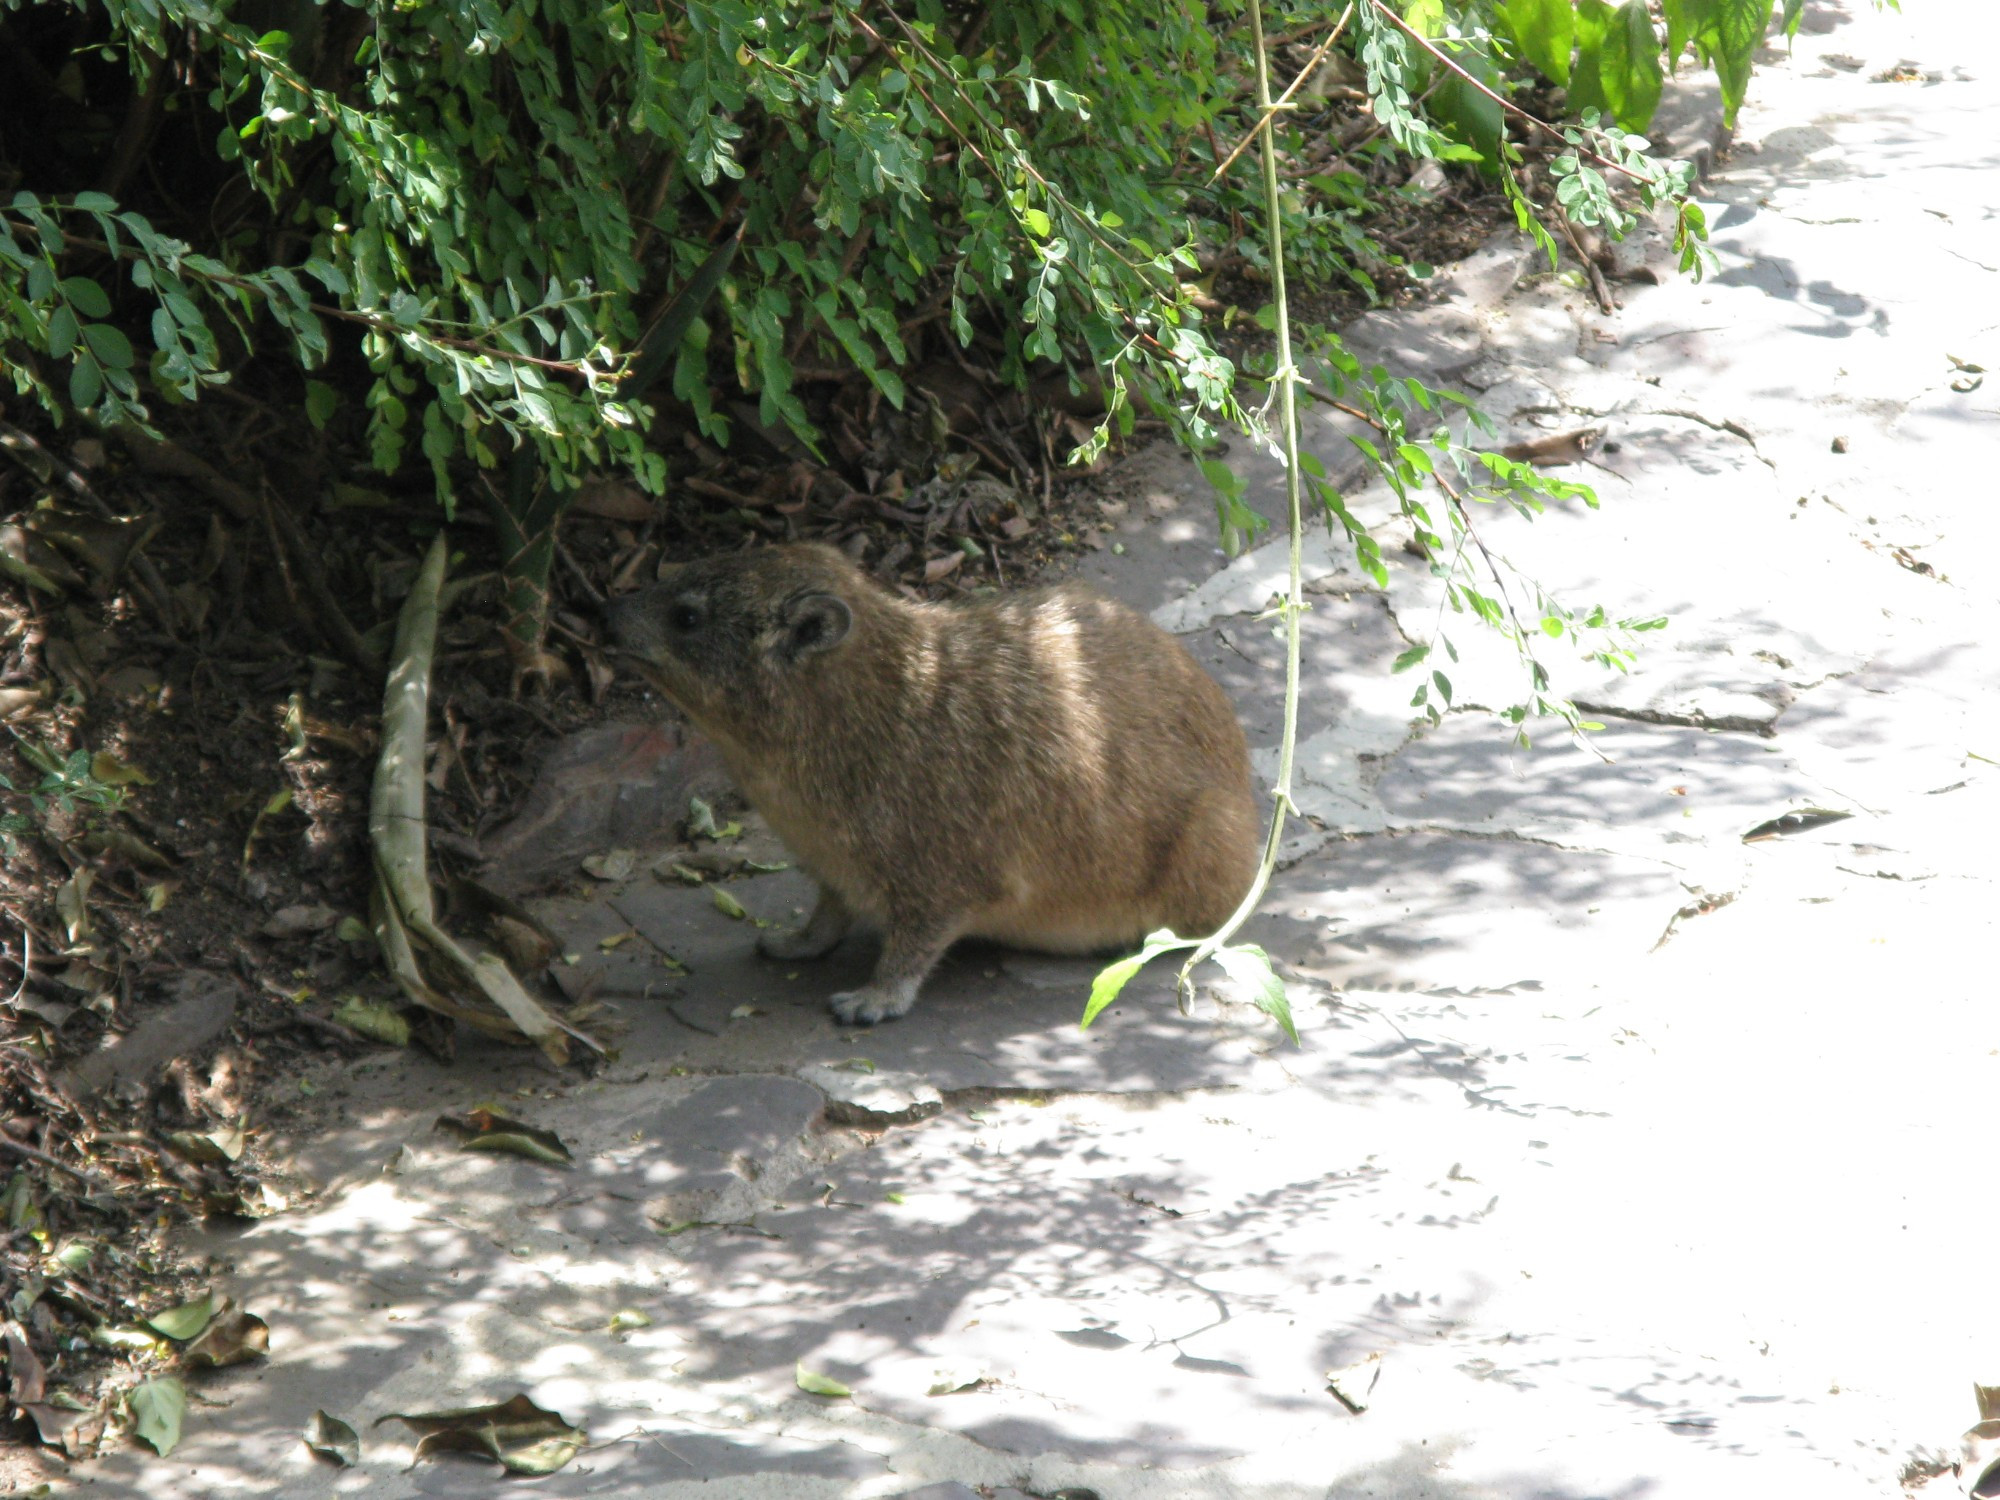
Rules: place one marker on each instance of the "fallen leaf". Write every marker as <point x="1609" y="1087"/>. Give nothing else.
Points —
<point x="744" y="1013"/>
<point x="353" y="930"/>
<point x="74" y="1255"/>
<point x="332" y="1438"/>
<point x="125" y="1340"/>
<point x="234" y="1338"/>
<point x="679" y="872"/>
<point x="940" y="568"/>
<point x="208" y="1146"/>
<point x="818" y="1385"/>
<point x="112" y="771"/>
<point x="188" y="1319"/>
<point x="616" y="940"/>
<point x="628" y="1318"/>
<point x="523" y="1437"/>
<point x="484" y="1130"/>
<point x="727" y="904"/>
<point x="379" y="1019"/>
<point x="949" y="1378"/>
<point x="700" y="819"/>
<point x="157" y="1408"/>
<point x="297" y="921"/>
<point x="613" y="864"/>
<point x="1353" y="1385"/>
<point x="72" y="904"/>
<point x="158" y="894"/>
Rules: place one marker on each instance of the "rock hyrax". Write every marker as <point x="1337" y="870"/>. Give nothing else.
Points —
<point x="1046" y="769"/>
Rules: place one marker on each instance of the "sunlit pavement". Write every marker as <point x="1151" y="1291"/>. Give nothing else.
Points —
<point x="1621" y="1157"/>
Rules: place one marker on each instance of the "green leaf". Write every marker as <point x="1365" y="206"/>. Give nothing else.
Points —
<point x="1410" y="658"/>
<point x="1729" y="39"/>
<point x="158" y="1407"/>
<point x="1545" y="31"/>
<point x="379" y="1020"/>
<point x="1037" y="222"/>
<point x="1685" y="19"/>
<point x="321" y="399"/>
<point x="109" y="344"/>
<point x="62" y="332"/>
<point x="1249" y="966"/>
<point x="87" y="297"/>
<point x="1628" y="68"/>
<point x="816" y="1384"/>
<point x="185" y="1321"/>
<point x="1114" y="977"/>
<point x="86" y="383"/>
<point x="1593" y="23"/>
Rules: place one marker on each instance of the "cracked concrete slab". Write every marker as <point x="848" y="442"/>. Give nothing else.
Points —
<point x="1639" y="1159"/>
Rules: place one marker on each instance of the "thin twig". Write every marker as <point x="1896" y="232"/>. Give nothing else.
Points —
<point x="21" y="1148"/>
<point x="1285" y="99"/>
<point x="1590" y="267"/>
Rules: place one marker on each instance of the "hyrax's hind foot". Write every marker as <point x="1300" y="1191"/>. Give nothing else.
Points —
<point x="911" y="945"/>
<point x="820" y="935"/>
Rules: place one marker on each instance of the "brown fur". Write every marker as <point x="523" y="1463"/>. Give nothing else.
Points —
<point x="1045" y="768"/>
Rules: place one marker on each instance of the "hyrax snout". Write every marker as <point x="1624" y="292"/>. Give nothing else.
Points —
<point x="1046" y="769"/>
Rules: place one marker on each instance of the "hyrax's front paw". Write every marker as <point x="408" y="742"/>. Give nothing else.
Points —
<point x="865" y="1007"/>
<point x="797" y="942"/>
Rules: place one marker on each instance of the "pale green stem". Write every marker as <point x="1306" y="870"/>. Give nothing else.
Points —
<point x="1286" y="379"/>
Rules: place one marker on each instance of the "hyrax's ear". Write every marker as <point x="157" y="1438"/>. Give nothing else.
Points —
<point x="813" y="623"/>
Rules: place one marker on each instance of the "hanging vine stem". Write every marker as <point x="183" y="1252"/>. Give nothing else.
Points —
<point x="1286" y="380"/>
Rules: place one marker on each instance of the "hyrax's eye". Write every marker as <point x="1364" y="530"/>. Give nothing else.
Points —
<point x="683" y="617"/>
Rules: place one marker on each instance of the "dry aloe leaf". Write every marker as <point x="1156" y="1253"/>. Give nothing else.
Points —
<point x="158" y="1407"/>
<point x="816" y="1384"/>
<point x="185" y="1321"/>
<point x="234" y="1338"/>
<point x="484" y="1130"/>
<point x="519" y="1434"/>
<point x="402" y="905"/>
<point x="374" y="1018"/>
<point x="332" y="1438"/>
